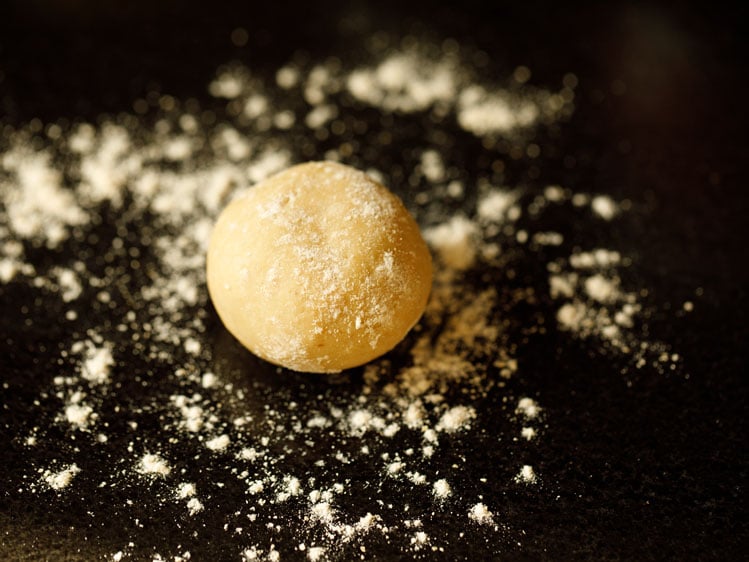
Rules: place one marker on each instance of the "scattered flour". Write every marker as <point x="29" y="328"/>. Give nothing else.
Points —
<point x="495" y="204"/>
<point x="186" y="490"/>
<point x="97" y="363"/>
<point x="604" y="206"/>
<point x="528" y="433"/>
<point x="526" y="475"/>
<point x="481" y="514"/>
<point x="154" y="464"/>
<point x="406" y="81"/>
<point x="442" y="489"/>
<point x="455" y="242"/>
<point x="455" y="419"/>
<point x="78" y="415"/>
<point x="528" y="408"/>
<point x="61" y="479"/>
<point x="142" y="362"/>
<point x="194" y="505"/>
<point x="218" y="443"/>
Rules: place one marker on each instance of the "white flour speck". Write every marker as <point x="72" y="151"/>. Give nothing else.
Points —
<point x="154" y="464"/>
<point x="61" y="479"/>
<point x="481" y="514"/>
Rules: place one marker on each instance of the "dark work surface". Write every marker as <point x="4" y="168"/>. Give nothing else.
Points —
<point x="653" y="467"/>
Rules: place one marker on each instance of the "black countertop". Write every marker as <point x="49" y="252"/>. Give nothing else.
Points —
<point x="633" y="463"/>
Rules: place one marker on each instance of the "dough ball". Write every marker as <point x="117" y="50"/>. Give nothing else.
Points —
<point x="318" y="268"/>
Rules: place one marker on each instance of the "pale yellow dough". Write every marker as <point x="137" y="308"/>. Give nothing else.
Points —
<point x="318" y="268"/>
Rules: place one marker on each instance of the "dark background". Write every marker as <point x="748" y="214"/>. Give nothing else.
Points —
<point x="651" y="470"/>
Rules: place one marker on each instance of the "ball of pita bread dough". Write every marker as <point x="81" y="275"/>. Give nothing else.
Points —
<point x="318" y="268"/>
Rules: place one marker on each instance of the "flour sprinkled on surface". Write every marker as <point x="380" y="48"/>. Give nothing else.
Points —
<point x="61" y="479"/>
<point x="287" y="465"/>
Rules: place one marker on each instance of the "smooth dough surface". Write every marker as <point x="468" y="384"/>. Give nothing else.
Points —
<point x="318" y="268"/>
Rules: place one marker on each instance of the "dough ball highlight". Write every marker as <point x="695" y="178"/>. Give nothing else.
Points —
<point x="318" y="268"/>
